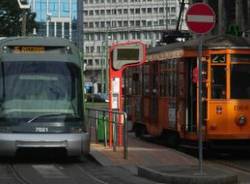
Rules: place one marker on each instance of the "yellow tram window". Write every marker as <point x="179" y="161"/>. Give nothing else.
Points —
<point x="219" y="82"/>
<point x="240" y="83"/>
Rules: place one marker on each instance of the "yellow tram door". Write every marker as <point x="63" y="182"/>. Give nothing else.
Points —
<point x="192" y="91"/>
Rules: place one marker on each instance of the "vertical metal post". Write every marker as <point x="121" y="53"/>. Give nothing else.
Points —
<point x="114" y="125"/>
<point x="96" y="125"/>
<point x="125" y="135"/>
<point x="107" y="63"/>
<point x="200" y="107"/>
<point x="89" y="123"/>
<point x="221" y="17"/>
<point x="80" y="25"/>
<point x="166" y="14"/>
<point x="105" y="128"/>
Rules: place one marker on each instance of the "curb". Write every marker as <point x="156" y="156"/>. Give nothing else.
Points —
<point x="100" y="158"/>
<point x="221" y="178"/>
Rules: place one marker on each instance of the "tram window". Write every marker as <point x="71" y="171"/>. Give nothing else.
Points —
<point x="240" y="85"/>
<point x="219" y="82"/>
<point x="135" y="76"/>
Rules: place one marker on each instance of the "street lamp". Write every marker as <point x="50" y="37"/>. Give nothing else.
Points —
<point x="48" y="19"/>
<point x="24" y="4"/>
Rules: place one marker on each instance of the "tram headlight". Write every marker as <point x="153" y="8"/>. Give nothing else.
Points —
<point x="76" y="130"/>
<point x="242" y="120"/>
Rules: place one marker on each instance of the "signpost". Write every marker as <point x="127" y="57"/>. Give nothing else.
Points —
<point x="200" y="19"/>
<point x="121" y="56"/>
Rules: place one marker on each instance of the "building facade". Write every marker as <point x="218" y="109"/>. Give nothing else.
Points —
<point x="56" y="18"/>
<point x="110" y="21"/>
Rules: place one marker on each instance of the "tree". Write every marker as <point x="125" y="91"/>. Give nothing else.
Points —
<point x="11" y="19"/>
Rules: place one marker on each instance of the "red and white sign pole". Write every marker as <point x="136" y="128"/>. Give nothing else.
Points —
<point x="200" y="19"/>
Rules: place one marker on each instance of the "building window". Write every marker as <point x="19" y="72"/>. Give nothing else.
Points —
<point x="125" y="23"/>
<point x="97" y="62"/>
<point x="119" y="23"/>
<point x="87" y="49"/>
<point x="97" y="24"/>
<point x="132" y="23"/>
<point x="97" y="12"/>
<point x="137" y="23"/>
<point x="108" y="12"/>
<point x="91" y="25"/>
<point x="173" y="9"/>
<point x="125" y="11"/>
<point x="119" y="11"/>
<point x="90" y="62"/>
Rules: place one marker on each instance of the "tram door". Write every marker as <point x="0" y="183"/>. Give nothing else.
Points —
<point x="154" y="92"/>
<point x="192" y="76"/>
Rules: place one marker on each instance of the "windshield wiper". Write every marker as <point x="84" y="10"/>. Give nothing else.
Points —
<point x="48" y="115"/>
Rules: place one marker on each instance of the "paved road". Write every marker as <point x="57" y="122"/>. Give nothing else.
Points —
<point x="40" y="169"/>
<point x="237" y="163"/>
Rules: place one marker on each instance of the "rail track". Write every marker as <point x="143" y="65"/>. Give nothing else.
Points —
<point x="40" y="172"/>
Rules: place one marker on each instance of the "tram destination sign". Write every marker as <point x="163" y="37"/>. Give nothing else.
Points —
<point x="200" y="18"/>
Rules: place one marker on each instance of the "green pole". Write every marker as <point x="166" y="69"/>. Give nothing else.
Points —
<point x="106" y="62"/>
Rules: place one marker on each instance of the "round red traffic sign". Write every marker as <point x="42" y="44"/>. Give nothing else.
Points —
<point x="200" y="18"/>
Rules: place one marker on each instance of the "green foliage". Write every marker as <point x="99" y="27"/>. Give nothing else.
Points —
<point x="234" y="30"/>
<point x="11" y="19"/>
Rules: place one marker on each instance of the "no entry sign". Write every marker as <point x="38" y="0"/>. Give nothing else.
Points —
<point x="200" y="18"/>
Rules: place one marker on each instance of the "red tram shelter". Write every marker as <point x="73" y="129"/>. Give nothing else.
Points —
<point x="121" y="56"/>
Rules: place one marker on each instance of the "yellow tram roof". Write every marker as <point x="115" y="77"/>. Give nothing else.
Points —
<point x="189" y="48"/>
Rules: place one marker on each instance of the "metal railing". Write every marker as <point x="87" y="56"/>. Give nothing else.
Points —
<point x="108" y="126"/>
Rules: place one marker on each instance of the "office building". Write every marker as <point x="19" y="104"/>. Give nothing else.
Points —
<point x="109" y="21"/>
<point x="56" y="18"/>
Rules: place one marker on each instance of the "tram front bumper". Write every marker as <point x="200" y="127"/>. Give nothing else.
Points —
<point x="75" y="144"/>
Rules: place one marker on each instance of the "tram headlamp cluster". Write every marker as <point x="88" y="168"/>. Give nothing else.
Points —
<point x="68" y="49"/>
<point x="5" y="49"/>
<point x="242" y="120"/>
<point x="76" y="130"/>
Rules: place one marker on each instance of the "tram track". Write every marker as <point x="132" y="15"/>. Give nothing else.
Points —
<point x="40" y="171"/>
<point x="63" y="173"/>
<point x="231" y="165"/>
<point x="47" y="173"/>
<point x="17" y="176"/>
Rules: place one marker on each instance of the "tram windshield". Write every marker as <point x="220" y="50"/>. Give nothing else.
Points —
<point x="240" y="81"/>
<point x="30" y="89"/>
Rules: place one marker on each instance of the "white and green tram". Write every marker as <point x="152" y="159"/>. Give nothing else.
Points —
<point x="41" y="96"/>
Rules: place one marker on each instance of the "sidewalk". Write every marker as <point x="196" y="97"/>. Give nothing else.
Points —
<point x="159" y="163"/>
<point x="140" y="153"/>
